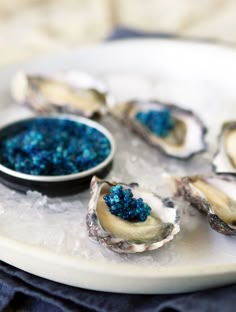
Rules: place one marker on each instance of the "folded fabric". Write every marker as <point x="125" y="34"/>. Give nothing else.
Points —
<point x="127" y="33"/>
<point x="31" y="293"/>
<point x="27" y="292"/>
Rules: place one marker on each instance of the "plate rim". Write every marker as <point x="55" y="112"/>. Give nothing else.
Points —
<point x="116" y="42"/>
<point x="160" y="271"/>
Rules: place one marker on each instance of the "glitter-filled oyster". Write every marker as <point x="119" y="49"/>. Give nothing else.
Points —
<point x="127" y="219"/>
<point x="225" y="158"/>
<point x="69" y="92"/>
<point x="175" y="131"/>
<point x="215" y="196"/>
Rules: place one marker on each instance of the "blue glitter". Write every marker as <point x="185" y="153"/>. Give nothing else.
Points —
<point x="52" y="147"/>
<point x="122" y="204"/>
<point x="159" y="122"/>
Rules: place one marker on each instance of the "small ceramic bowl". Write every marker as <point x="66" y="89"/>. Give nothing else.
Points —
<point x="55" y="185"/>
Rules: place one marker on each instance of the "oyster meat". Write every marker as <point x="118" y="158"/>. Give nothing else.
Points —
<point x="124" y="236"/>
<point x="183" y="136"/>
<point x="71" y="92"/>
<point x="213" y="195"/>
<point x="225" y="158"/>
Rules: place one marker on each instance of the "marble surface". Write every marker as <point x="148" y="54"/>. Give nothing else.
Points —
<point x="33" y="27"/>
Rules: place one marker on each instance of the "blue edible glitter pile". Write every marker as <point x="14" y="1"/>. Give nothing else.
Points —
<point x="159" y="122"/>
<point x="52" y="147"/>
<point x="122" y="204"/>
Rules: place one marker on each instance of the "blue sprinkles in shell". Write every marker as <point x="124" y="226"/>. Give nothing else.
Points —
<point x="160" y="122"/>
<point x="53" y="147"/>
<point x="122" y="204"/>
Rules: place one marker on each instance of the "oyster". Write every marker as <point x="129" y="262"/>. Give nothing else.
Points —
<point x="124" y="236"/>
<point x="71" y="92"/>
<point x="182" y="140"/>
<point x="213" y="195"/>
<point x="225" y="159"/>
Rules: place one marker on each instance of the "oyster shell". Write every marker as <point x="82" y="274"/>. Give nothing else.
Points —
<point x="215" y="196"/>
<point x="70" y="92"/>
<point x="186" y="139"/>
<point x="130" y="237"/>
<point x="225" y="158"/>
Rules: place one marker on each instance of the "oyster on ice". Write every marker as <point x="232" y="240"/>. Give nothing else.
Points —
<point x="225" y="158"/>
<point x="213" y="195"/>
<point x="175" y="131"/>
<point x="125" y="236"/>
<point x="70" y="91"/>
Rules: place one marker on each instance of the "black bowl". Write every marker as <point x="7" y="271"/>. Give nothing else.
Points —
<point x="55" y="185"/>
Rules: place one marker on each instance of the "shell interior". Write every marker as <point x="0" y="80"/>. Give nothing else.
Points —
<point x="214" y="195"/>
<point x="124" y="236"/>
<point x="70" y="92"/>
<point x="186" y="138"/>
<point x="225" y="158"/>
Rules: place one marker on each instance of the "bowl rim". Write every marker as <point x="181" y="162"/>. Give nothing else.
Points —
<point x="67" y="177"/>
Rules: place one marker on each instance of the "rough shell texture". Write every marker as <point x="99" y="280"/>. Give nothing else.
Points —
<point x="70" y="92"/>
<point x="225" y="158"/>
<point x="197" y="198"/>
<point x="189" y="141"/>
<point x="121" y="245"/>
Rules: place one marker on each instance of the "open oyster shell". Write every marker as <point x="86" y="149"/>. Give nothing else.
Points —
<point x="130" y="237"/>
<point x="185" y="140"/>
<point x="213" y="195"/>
<point x="225" y="158"/>
<point x="70" y="92"/>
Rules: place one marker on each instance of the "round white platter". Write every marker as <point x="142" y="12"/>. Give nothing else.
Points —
<point x="195" y="75"/>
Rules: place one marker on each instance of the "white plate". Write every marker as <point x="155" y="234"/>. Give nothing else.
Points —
<point x="199" y="76"/>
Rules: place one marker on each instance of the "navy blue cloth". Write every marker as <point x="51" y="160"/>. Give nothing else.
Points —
<point x="128" y="33"/>
<point x="24" y="291"/>
<point x="31" y="293"/>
